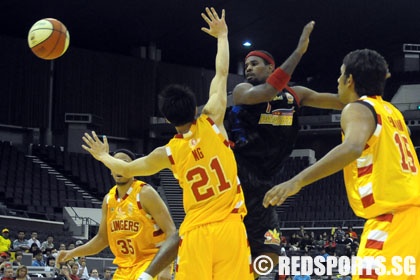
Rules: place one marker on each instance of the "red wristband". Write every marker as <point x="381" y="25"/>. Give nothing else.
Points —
<point x="278" y="79"/>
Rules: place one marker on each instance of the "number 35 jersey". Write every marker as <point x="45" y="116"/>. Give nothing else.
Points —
<point x="385" y="178"/>
<point x="133" y="235"/>
<point x="205" y="168"/>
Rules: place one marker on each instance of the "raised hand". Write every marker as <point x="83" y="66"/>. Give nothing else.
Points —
<point x="304" y="37"/>
<point x="95" y="146"/>
<point x="217" y="26"/>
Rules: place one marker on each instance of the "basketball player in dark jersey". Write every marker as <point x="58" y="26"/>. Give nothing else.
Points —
<point x="264" y="126"/>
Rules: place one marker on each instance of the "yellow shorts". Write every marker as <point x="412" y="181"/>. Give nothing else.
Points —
<point x="215" y="251"/>
<point x="392" y="241"/>
<point x="131" y="273"/>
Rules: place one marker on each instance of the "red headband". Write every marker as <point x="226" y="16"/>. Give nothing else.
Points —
<point x="263" y="56"/>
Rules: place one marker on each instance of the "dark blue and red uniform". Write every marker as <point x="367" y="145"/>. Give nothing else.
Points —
<point x="264" y="135"/>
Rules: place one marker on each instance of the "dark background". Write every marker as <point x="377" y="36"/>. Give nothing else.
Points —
<point x="123" y="52"/>
<point x="173" y="26"/>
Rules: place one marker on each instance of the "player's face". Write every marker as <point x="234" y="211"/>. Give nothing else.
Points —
<point x="120" y="180"/>
<point x="343" y="86"/>
<point x="256" y="71"/>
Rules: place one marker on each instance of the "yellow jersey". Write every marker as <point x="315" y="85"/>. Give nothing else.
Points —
<point x="385" y="178"/>
<point x="205" y="168"/>
<point x="133" y="235"/>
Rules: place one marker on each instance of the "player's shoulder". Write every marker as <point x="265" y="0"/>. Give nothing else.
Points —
<point x="147" y="191"/>
<point x="242" y="86"/>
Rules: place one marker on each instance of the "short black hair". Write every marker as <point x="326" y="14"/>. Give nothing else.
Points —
<point x="369" y="70"/>
<point x="177" y="104"/>
<point x="124" y="151"/>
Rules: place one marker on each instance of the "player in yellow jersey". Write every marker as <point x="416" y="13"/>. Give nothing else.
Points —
<point x="381" y="171"/>
<point x="212" y="238"/>
<point x="135" y="222"/>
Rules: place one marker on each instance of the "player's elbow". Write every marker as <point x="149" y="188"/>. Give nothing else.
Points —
<point x="354" y="151"/>
<point x="170" y="230"/>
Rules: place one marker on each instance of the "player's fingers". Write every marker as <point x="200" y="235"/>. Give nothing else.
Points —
<point x="95" y="136"/>
<point x="309" y="27"/>
<point x="214" y="13"/>
<point x="267" y="198"/>
<point x="206" y="19"/>
<point x="86" y="148"/>
<point x="223" y="14"/>
<point x="281" y="201"/>
<point x="88" y="138"/>
<point x="209" y="14"/>
<point x="205" y="30"/>
<point x="105" y="139"/>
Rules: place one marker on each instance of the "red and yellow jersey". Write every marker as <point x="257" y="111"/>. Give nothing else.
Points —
<point x="133" y="235"/>
<point x="205" y="167"/>
<point x="385" y="178"/>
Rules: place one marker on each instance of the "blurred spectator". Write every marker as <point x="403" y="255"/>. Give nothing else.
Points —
<point x="64" y="273"/>
<point x="94" y="274"/>
<point x="50" y="261"/>
<point x="46" y="254"/>
<point x="18" y="258"/>
<point x="306" y="244"/>
<point x="352" y="234"/>
<point x="8" y="272"/>
<point x="319" y="243"/>
<point x="34" y="239"/>
<point x="21" y="243"/>
<point x="83" y="270"/>
<point x="107" y="274"/>
<point x="34" y="247"/>
<point x="4" y="256"/>
<point x="49" y="243"/>
<point x="74" y="271"/>
<point x="301" y="233"/>
<point x="54" y="253"/>
<point x="38" y="258"/>
<point x="79" y="243"/>
<point x="339" y="235"/>
<point x="22" y="273"/>
<point x="71" y="246"/>
<point x="294" y="242"/>
<point x="5" y="242"/>
<point x="62" y="247"/>
<point x="348" y="241"/>
<point x="330" y="246"/>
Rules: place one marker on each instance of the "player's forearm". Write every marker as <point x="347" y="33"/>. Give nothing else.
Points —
<point x="291" y="62"/>
<point x="93" y="247"/>
<point x="165" y="256"/>
<point x="222" y="56"/>
<point x="115" y="165"/>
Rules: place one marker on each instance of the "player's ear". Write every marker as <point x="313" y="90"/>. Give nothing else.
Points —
<point x="349" y="80"/>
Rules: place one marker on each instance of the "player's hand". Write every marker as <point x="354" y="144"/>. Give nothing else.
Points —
<point x="304" y="38"/>
<point x="62" y="257"/>
<point x="217" y="26"/>
<point x="95" y="146"/>
<point x="279" y="193"/>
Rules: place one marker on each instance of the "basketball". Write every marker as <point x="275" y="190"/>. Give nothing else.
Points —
<point x="48" y="38"/>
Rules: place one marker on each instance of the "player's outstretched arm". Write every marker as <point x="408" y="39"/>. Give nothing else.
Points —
<point x="216" y="105"/>
<point x="144" y="166"/>
<point x="93" y="246"/>
<point x="245" y="93"/>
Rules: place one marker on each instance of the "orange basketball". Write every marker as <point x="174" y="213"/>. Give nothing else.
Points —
<point x="48" y="38"/>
